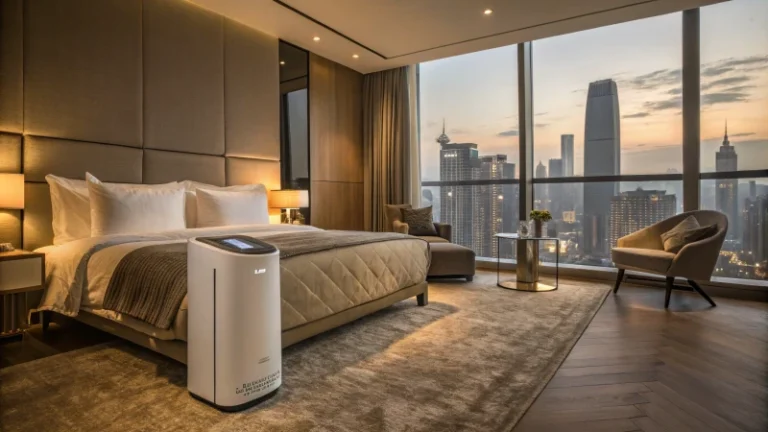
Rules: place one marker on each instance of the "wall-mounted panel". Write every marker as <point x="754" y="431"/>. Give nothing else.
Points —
<point x="337" y="205"/>
<point x="11" y="65"/>
<point x="164" y="167"/>
<point x="183" y="78"/>
<point x="82" y="70"/>
<point x="10" y="153"/>
<point x="72" y="159"/>
<point x="335" y="118"/>
<point x="249" y="171"/>
<point x="250" y="95"/>
<point x="38" y="231"/>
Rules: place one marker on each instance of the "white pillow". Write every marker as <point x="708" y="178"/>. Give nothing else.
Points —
<point x="227" y="207"/>
<point x="71" y="209"/>
<point x="132" y="209"/>
<point x="191" y="201"/>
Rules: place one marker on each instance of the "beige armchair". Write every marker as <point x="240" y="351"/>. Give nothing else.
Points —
<point x="644" y="251"/>
<point x="394" y="217"/>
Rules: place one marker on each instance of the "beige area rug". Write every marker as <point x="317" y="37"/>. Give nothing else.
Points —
<point x="474" y="359"/>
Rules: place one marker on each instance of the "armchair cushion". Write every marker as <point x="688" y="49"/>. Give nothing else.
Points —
<point x="652" y="260"/>
<point x="400" y="227"/>
<point x="419" y="221"/>
<point x="434" y="239"/>
<point x="687" y="231"/>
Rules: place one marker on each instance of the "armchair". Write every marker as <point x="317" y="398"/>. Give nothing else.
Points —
<point x="444" y="232"/>
<point x="644" y="251"/>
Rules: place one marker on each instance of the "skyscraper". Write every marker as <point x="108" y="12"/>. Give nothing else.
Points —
<point x="727" y="190"/>
<point x="602" y="152"/>
<point x="634" y="210"/>
<point x="755" y="237"/>
<point x="566" y="154"/>
<point x="489" y="203"/>
<point x="540" y="196"/>
<point x="457" y="162"/>
<point x="555" y="191"/>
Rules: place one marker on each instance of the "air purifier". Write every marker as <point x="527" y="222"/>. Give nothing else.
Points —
<point x="234" y="350"/>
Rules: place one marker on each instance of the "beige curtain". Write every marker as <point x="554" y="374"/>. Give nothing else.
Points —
<point x="387" y="144"/>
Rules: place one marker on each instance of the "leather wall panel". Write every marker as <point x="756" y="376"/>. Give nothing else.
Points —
<point x="11" y="66"/>
<point x="183" y="78"/>
<point x="38" y="231"/>
<point x="247" y="171"/>
<point x="164" y="167"/>
<point x="10" y="153"/>
<point x="83" y="84"/>
<point x="252" y="101"/>
<point x="72" y="159"/>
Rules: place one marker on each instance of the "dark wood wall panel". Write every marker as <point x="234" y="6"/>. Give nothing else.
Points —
<point x="336" y="145"/>
<point x="337" y="205"/>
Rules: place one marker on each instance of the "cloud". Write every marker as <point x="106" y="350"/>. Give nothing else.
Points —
<point x="672" y="103"/>
<point x="724" y="97"/>
<point x="541" y="113"/>
<point x="760" y="61"/>
<point x="636" y="115"/>
<point x="655" y="79"/>
<point x="508" y="133"/>
<point x="742" y="134"/>
<point x="675" y="91"/>
<point x="726" y="81"/>
<point x="541" y="125"/>
<point x="715" y="71"/>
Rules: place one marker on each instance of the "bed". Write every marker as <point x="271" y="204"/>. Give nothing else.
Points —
<point x="320" y="290"/>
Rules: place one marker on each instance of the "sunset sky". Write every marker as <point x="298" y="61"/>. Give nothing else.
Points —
<point x="477" y="93"/>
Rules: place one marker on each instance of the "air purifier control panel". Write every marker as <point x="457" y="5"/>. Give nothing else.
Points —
<point x="239" y="244"/>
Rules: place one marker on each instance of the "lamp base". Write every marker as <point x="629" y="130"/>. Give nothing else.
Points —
<point x="6" y="247"/>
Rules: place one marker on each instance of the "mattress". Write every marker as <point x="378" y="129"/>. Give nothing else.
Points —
<point x="313" y="286"/>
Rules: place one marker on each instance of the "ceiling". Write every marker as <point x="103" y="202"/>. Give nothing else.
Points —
<point x="389" y="33"/>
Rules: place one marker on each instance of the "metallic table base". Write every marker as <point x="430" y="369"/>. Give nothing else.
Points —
<point x="526" y="286"/>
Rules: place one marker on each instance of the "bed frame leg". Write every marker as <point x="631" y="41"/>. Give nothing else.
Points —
<point x="422" y="299"/>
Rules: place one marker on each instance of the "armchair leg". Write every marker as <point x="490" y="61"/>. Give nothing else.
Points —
<point x="422" y="299"/>
<point x="619" y="278"/>
<point x="670" y="285"/>
<point x="701" y="292"/>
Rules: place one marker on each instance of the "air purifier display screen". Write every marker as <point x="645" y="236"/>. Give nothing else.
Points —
<point x="237" y="243"/>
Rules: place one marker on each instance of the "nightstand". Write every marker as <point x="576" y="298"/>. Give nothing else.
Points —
<point x="22" y="272"/>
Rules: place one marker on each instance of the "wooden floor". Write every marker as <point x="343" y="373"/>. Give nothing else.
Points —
<point x="636" y="368"/>
<point x="641" y="368"/>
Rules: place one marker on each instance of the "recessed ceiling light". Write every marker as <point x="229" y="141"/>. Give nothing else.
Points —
<point x="282" y="63"/>
<point x="488" y="11"/>
<point x="355" y="56"/>
<point x="316" y="38"/>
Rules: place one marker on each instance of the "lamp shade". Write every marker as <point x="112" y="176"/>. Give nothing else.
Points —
<point x="11" y="191"/>
<point x="291" y="198"/>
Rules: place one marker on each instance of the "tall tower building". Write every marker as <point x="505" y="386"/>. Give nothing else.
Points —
<point x="602" y="153"/>
<point x="540" y="195"/>
<point x="755" y="236"/>
<point x="489" y="204"/>
<point x="634" y="210"/>
<point x="727" y="190"/>
<point x="566" y="154"/>
<point x="457" y="162"/>
<point x="510" y="206"/>
<point x="555" y="191"/>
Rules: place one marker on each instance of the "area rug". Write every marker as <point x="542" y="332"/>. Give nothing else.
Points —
<point x="474" y="359"/>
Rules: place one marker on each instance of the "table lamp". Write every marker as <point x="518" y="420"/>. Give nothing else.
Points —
<point x="11" y="198"/>
<point x="290" y="200"/>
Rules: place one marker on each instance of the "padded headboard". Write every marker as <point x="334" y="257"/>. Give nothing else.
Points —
<point x="133" y="91"/>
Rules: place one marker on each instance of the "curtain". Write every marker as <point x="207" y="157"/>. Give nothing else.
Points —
<point x="387" y="143"/>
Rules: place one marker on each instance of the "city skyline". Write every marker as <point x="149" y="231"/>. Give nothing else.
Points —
<point x="734" y="86"/>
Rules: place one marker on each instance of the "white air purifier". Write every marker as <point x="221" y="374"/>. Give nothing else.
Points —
<point x="234" y="351"/>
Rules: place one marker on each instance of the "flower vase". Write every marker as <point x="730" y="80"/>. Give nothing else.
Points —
<point x="538" y="228"/>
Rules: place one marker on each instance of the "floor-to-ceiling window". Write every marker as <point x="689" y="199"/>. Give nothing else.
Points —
<point x="734" y="131"/>
<point x="608" y="134"/>
<point x="469" y="148"/>
<point x="607" y="105"/>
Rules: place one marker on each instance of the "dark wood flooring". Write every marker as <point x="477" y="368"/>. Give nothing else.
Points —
<point x="637" y="367"/>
